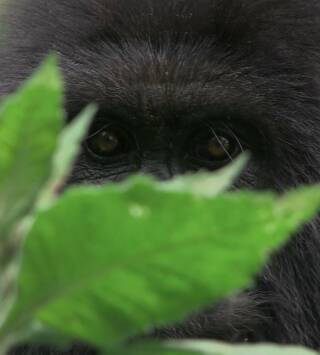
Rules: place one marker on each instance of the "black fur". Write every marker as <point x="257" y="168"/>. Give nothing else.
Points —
<point x="162" y="67"/>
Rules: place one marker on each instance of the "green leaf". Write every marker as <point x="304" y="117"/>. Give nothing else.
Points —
<point x="206" y="347"/>
<point x="105" y="263"/>
<point x="204" y="184"/>
<point x="68" y="147"/>
<point x="216" y="348"/>
<point x="30" y="122"/>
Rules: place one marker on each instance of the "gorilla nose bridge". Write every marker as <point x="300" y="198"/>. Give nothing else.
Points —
<point x="160" y="172"/>
<point x="158" y="162"/>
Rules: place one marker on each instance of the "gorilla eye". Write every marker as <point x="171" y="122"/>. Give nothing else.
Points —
<point x="219" y="148"/>
<point x="108" y="142"/>
<point x="214" y="150"/>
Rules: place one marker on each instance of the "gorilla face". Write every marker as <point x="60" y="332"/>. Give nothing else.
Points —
<point x="184" y="85"/>
<point x="181" y="85"/>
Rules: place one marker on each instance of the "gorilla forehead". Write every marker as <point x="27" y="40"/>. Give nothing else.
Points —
<point x="231" y="21"/>
<point x="135" y="73"/>
<point x="171" y="54"/>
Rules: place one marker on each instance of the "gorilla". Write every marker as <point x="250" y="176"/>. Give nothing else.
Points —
<point x="183" y="85"/>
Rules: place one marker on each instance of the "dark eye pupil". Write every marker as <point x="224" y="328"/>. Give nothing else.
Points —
<point x="219" y="147"/>
<point x="104" y="143"/>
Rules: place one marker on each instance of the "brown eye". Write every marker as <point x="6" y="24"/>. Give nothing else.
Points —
<point x="213" y="150"/>
<point x="108" y="142"/>
<point x="104" y="143"/>
<point x="220" y="148"/>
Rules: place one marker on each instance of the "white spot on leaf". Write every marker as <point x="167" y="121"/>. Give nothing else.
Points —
<point x="138" y="211"/>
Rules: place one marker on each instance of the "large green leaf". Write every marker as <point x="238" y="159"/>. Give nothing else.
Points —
<point x="34" y="160"/>
<point x="105" y="263"/>
<point x="30" y="122"/>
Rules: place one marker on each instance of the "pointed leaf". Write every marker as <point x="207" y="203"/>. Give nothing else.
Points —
<point x="106" y="263"/>
<point x="216" y="348"/>
<point x="68" y="147"/>
<point x="30" y="121"/>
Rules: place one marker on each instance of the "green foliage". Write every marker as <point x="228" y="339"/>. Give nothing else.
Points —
<point x="31" y="164"/>
<point x="201" y="347"/>
<point x="136" y="271"/>
<point x="30" y="122"/>
<point x="25" y="157"/>
<point x="103" y="264"/>
<point x="210" y="348"/>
